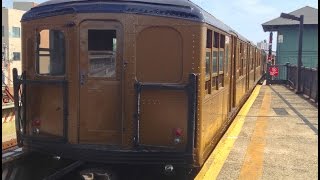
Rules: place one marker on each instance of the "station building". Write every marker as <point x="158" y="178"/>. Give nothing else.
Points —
<point x="11" y="38"/>
<point x="287" y="37"/>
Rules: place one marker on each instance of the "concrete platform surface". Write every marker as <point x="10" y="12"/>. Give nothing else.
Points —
<point x="278" y="139"/>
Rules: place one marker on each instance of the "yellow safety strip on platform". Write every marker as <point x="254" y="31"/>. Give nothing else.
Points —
<point x="214" y="163"/>
<point x="253" y="161"/>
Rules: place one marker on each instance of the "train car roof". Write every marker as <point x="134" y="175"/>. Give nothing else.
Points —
<point x="181" y="9"/>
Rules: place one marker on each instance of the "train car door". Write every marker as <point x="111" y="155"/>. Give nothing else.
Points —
<point x="100" y="74"/>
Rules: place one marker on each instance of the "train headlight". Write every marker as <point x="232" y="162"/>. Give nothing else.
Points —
<point x="177" y="140"/>
<point x="36" y="130"/>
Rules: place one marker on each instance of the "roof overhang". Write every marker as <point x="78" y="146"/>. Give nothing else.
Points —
<point x="267" y="28"/>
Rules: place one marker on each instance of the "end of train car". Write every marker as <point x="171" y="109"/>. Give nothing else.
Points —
<point x="130" y="82"/>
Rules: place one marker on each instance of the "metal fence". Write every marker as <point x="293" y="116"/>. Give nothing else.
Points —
<point x="287" y="74"/>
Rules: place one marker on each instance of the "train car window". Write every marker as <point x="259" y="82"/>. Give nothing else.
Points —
<point x="209" y="38"/>
<point x="222" y="41"/>
<point x="221" y="73"/>
<point x="241" y="67"/>
<point x="216" y="40"/>
<point x="227" y="60"/>
<point x="50" y="53"/>
<point x="214" y="69"/>
<point x="102" y="53"/>
<point x="253" y="57"/>
<point x="258" y="57"/>
<point x="245" y="56"/>
<point x="214" y="62"/>
<point x="214" y="82"/>
<point x="251" y="66"/>
<point x="227" y="55"/>
<point x="208" y="77"/>
<point x="207" y="64"/>
<point x="220" y="80"/>
<point x="221" y="57"/>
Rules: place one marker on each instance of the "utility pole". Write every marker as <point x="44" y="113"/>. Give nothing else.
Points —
<point x="300" y="54"/>
<point x="299" y="63"/>
<point x="270" y="48"/>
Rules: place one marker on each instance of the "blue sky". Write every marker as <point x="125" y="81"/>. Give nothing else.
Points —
<point x="245" y="16"/>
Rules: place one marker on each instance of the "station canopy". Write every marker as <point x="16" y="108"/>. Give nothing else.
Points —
<point x="310" y="18"/>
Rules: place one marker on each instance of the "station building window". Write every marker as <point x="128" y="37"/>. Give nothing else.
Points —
<point x="16" y="32"/>
<point x="50" y="53"/>
<point x="16" y="56"/>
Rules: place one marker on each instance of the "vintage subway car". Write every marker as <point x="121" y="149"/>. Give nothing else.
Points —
<point x="130" y="82"/>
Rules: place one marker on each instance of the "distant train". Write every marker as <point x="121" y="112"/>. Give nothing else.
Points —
<point x="130" y="82"/>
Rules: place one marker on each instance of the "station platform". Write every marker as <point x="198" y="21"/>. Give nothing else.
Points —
<point x="274" y="136"/>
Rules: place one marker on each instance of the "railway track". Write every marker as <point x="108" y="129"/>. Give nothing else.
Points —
<point x="19" y="165"/>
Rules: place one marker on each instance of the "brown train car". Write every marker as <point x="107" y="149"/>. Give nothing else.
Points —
<point x="130" y="82"/>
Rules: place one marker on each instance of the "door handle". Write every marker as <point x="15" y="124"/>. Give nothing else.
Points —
<point x="82" y="78"/>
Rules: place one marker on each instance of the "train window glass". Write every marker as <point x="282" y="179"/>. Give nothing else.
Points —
<point x="220" y="80"/>
<point x="207" y="64"/>
<point x="51" y="53"/>
<point x="221" y="57"/>
<point x="208" y="77"/>
<point x="209" y="38"/>
<point x="102" y="53"/>
<point x="216" y="40"/>
<point x="221" y="74"/>
<point x="222" y="41"/>
<point x="214" y="62"/>
<point x="241" y="67"/>
<point x="227" y="59"/>
<point x="244" y="58"/>
<point x="214" y="82"/>
<point x="252" y="63"/>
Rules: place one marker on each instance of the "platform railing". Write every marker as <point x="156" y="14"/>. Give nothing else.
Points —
<point x="287" y="74"/>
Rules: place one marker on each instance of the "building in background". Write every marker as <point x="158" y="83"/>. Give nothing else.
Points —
<point x="265" y="46"/>
<point x="23" y="5"/>
<point x="11" y="38"/>
<point x="287" y="37"/>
